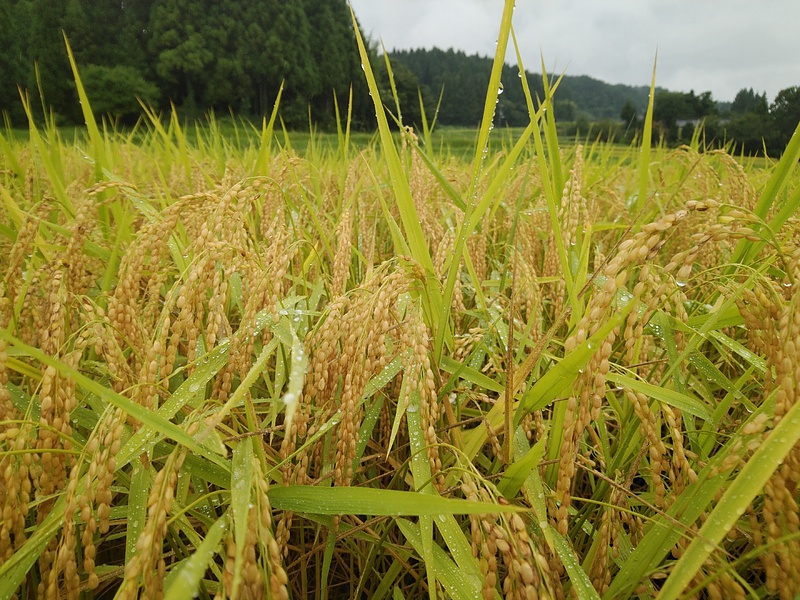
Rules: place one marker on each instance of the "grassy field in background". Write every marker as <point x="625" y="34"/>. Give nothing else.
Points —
<point x="457" y="142"/>
<point x="453" y="364"/>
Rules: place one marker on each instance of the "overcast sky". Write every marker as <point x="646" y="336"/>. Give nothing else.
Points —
<point x="703" y="45"/>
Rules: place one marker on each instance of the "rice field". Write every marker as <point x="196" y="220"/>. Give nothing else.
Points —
<point x="550" y="370"/>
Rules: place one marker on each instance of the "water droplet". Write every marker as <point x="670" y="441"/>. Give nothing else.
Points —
<point x="680" y="283"/>
<point x="500" y="88"/>
<point x="787" y="284"/>
<point x="412" y="408"/>
<point x="441" y="518"/>
<point x="194" y="387"/>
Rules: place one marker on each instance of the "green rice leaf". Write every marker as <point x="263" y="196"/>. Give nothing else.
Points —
<point x="99" y="155"/>
<point x="452" y="366"/>
<point x="189" y="393"/>
<point x="518" y="471"/>
<point x="148" y="418"/>
<point x="683" y="402"/>
<point x="267" y="127"/>
<point x="372" y="501"/>
<point x="560" y="378"/>
<point x="141" y="482"/>
<point x="421" y="472"/>
<point x="15" y="568"/>
<point x="185" y="583"/>
<point x="770" y="195"/>
<point x="399" y="180"/>
<point x="581" y="584"/>
<point x="458" y="583"/>
<point x="241" y="487"/>
<point x="740" y="493"/>
<point x="645" y="152"/>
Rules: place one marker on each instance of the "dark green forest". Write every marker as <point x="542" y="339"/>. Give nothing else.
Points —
<point x="234" y="55"/>
<point x="462" y="78"/>
<point x="196" y="54"/>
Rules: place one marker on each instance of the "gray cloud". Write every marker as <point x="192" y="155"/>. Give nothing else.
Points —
<point x="702" y="45"/>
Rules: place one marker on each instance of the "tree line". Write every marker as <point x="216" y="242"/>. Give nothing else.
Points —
<point x="589" y="107"/>
<point x="751" y="123"/>
<point x="194" y="54"/>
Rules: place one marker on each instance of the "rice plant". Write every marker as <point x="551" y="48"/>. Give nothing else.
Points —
<point x="230" y="370"/>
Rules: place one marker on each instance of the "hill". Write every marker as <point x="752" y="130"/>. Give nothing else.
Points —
<point x="461" y="80"/>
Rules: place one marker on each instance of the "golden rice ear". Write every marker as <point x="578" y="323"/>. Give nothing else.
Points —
<point x="243" y="368"/>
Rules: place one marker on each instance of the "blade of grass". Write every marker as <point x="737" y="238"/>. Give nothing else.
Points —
<point x="417" y="244"/>
<point x="14" y="570"/>
<point x="399" y="181"/>
<point x="551" y="134"/>
<point x="748" y="484"/>
<point x="53" y="168"/>
<point x="267" y="127"/>
<point x="492" y="93"/>
<point x="456" y="582"/>
<point x="185" y="583"/>
<point x="676" y="399"/>
<point x="553" y="199"/>
<point x="99" y="154"/>
<point x="138" y="492"/>
<point x="667" y="528"/>
<point x="557" y="380"/>
<point x="421" y="472"/>
<point x="533" y="489"/>
<point x="375" y="502"/>
<point x="241" y="487"/>
<point x="581" y="584"/>
<point x="187" y="394"/>
<point x="644" y="154"/>
<point x="481" y="149"/>
<point x="147" y="417"/>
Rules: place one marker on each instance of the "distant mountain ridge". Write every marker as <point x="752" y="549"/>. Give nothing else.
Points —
<point x="464" y="78"/>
